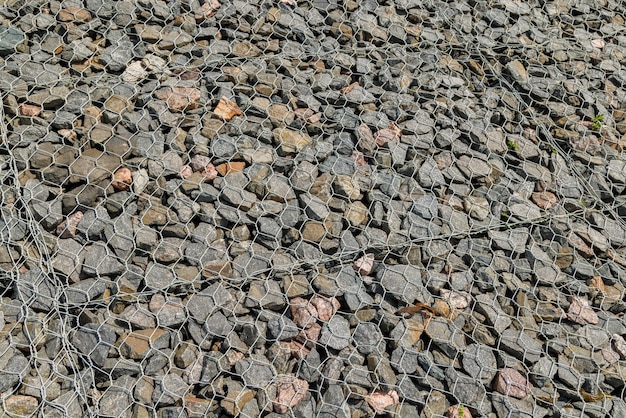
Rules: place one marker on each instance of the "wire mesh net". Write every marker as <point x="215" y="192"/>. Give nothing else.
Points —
<point x="410" y="208"/>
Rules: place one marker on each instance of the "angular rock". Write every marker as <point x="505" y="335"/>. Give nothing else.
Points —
<point x="94" y="341"/>
<point x="336" y="333"/>
<point x="510" y="382"/>
<point x="291" y="141"/>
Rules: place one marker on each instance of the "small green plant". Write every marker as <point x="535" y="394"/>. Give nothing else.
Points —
<point x="597" y="122"/>
<point x="461" y="411"/>
<point x="583" y="202"/>
<point x="554" y="151"/>
<point x="513" y="145"/>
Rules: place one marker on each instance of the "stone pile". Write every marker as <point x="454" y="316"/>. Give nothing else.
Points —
<point x="313" y="208"/>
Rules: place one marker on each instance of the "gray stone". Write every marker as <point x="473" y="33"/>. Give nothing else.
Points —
<point x="426" y="207"/>
<point x="381" y="368"/>
<point x="334" y="403"/>
<point x="119" y="235"/>
<point x="446" y="336"/>
<point x="314" y="207"/>
<point x="269" y="229"/>
<point x="479" y="361"/>
<point x="521" y="345"/>
<point x="512" y="240"/>
<point x="93" y="222"/>
<point x="265" y="294"/>
<point x="13" y="84"/>
<point x="617" y="234"/>
<point x="457" y="221"/>
<point x="368" y="338"/>
<point x="430" y="175"/>
<point x="278" y="188"/>
<point x="517" y="70"/>
<point x="490" y="307"/>
<point x="248" y="265"/>
<point x="466" y="391"/>
<point x="306" y="252"/>
<point x="169" y="250"/>
<point x="145" y="238"/>
<point x="256" y="372"/>
<point x="99" y="261"/>
<point x="170" y="389"/>
<point x="10" y="39"/>
<point x="12" y="229"/>
<point x="204" y="233"/>
<point x="217" y="325"/>
<point x="473" y="167"/>
<point x="35" y="191"/>
<point x="420" y="228"/>
<point x="524" y="211"/>
<point x="94" y="341"/>
<point x="543" y="371"/>
<point x="117" y="399"/>
<point x="616" y="170"/>
<point x="404" y="360"/>
<point x="360" y="96"/>
<point x="85" y="291"/>
<point x="310" y="366"/>
<point x="35" y="289"/>
<point x="201" y="304"/>
<point x="205" y="193"/>
<point x="170" y="313"/>
<point x="68" y="259"/>
<point x="117" y="56"/>
<point x="211" y="366"/>
<point x="175" y="412"/>
<point x="282" y="328"/>
<point x="357" y="375"/>
<point x="238" y="197"/>
<point x="200" y="254"/>
<point x="619" y="408"/>
<point x="508" y="406"/>
<point x="336" y="333"/>
<point x="49" y="214"/>
<point x="404" y="283"/>
<point x="461" y="280"/>
<point x="13" y="367"/>
<point x="145" y="144"/>
<point x="304" y="176"/>
<point x="66" y="405"/>
<point x="139" y="316"/>
<point x="158" y="276"/>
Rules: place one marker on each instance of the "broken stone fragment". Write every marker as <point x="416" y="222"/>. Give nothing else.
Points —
<point x="289" y="392"/>
<point x="227" y="109"/>
<point x="122" y="179"/>
<point x="67" y="228"/>
<point x="303" y="313"/>
<point x="29" y="110"/>
<point x="185" y="171"/>
<point x="207" y="10"/>
<point x="179" y="99"/>
<point x="364" y="264"/>
<point x="580" y="312"/>
<point x="326" y="306"/>
<point x="379" y="400"/>
<point x="510" y="382"/>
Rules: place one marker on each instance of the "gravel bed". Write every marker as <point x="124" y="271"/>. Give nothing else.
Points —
<point x="313" y="208"/>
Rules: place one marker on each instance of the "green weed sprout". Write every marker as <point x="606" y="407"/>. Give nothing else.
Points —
<point x="597" y="122"/>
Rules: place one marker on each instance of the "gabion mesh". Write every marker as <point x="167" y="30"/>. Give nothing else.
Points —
<point x="408" y="208"/>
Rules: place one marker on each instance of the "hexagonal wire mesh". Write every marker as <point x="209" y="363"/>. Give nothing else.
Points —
<point x="312" y="208"/>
